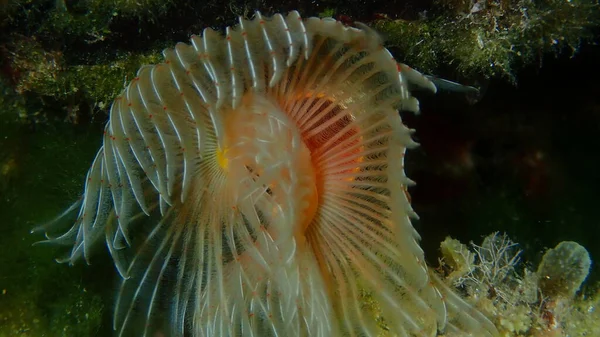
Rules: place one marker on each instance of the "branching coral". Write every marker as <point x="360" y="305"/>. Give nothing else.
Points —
<point x="486" y="269"/>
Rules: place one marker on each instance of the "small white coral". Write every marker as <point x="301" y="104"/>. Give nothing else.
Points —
<point x="489" y="267"/>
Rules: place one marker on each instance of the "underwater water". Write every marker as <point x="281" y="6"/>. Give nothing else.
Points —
<point x="522" y="160"/>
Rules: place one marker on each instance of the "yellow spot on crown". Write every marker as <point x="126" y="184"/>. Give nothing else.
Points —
<point x="222" y="159"/>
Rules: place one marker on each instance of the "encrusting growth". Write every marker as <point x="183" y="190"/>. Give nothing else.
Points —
<point x="270" y="163"/>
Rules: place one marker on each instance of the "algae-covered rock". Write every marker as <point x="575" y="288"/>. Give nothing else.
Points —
<point x="491" y="38"/>
<point x="458" y="258"/>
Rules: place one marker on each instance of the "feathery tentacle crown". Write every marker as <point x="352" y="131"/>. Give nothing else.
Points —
<point x="271" y="159"/>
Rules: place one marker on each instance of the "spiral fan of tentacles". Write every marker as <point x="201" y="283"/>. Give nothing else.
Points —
<point x="269" y="163"/>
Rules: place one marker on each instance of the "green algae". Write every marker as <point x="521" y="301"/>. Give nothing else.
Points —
<point x="75" y="313"/>
<point x="47" y="74"/>
<point x="138" y="8"/>
<point x="40" y="173"/>
<point x="496" y="38"/>
<point x="563" y="269"/>
<point x="64" y="53"/>
<point x="58" y="55"/>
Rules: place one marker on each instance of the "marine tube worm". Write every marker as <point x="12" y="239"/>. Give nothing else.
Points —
<point x="253" y="185"/>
